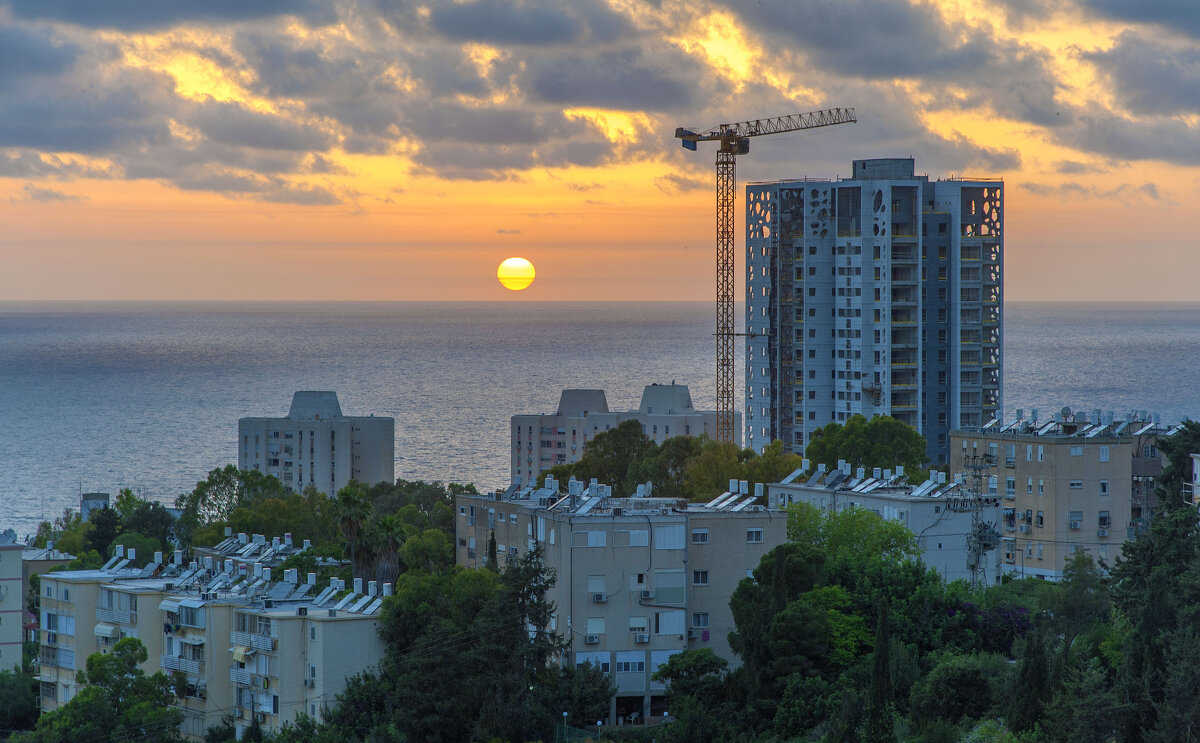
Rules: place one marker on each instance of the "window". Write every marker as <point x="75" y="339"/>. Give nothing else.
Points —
<point x="699" y="577"/>
<point x="1029" y="486"/>
<point x="669" y="537"/>
<point x="754" y="535"/>
<point x="1029" y="452"/>
<point x="1104" y="454"/>
<point x="1041" y="487"/>
<point x="1104" y="487"/>
<point x="1077" y="451"/>
<point x="1076" y="519"/>
<point x="1041" y="453"/>
<point x="1010" y="487"/>
<point x="594" y="626"/>
<point x="699" y="536"/>
<point x="595" y="584"/>
<point x="700" y="619"/>
<point x="637" y="624"/>
<point x="1105" y="521"/>
<point x="631" y="666"/>
<point x="1041" y="518"/>
<point x="1076" y="484"/>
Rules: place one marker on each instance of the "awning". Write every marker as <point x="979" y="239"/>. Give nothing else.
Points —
<point x="191" y="640"/>
<point x="169" y="605"/>
<point x="192" y="603"/>
<point x="105" y="630"/>
<point x="239" y="653"/>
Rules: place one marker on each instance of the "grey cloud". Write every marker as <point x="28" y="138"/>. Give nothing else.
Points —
<point x="1073" y="190"/>
<point x="1172" y="14"/>
<point x="41" y="195"/>
<point x="622" y="79"/>
<point x="142" y="15"/>
<point x="33" y="52"/>
<point x="1127" y="138"/>
<point x="1151" y="75"/>
<point x="271" y="188"/>
<point x="673" y="183"/>
<point x="236" y="125"/>
<point x="27" y="163"/>
<point x="532" y="22"/>
<point x="1072" y="167"/>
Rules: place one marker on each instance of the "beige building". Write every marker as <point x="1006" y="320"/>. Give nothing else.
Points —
<point x="639" y="578"/>
<point x="248" y="646"/>
<point x="1073" y="482"/>
<point x="540" y="442"/>
<point x="12" y="601"/>
<point x="319" y="446"/>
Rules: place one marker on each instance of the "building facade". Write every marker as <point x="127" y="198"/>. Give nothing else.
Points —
<point x="929" y="510"/>
<point x="539" y="442"/>
<point x="316" y="445"/>
<point x="12" y="601"/>
<point x="1075" y="482"/>
<point x="639" y="579"/>
<point x="249" y="647"/>
<point x="878" y="294"/>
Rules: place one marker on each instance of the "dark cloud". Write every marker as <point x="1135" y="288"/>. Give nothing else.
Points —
<point x="622" y="80"/>
<point x="527" y="22"/>
<point x="1151" y="75"/>
<point x="42" y="195"/>
<point x="1124" y="138"/>
<point x="1178" y="15"/>
<point x="143" y="15"/>
<point x="263" y="188"/>
<point x="1124" y="192"/>
<point x="235" y="125"/>
<point x="28" y="53"/>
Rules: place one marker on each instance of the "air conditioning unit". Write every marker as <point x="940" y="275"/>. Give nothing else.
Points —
<point x="599" y="598"/>
<point x="1102" y="532"/>
<point x="647" y="594"/>
<point x="642" y="638"/>
<point x="268" y="604"/>
<point x="693" y="634"/>
<point x="302" y="611"/>
<point x="310" y="683"/>
<point x="591" y="639"/>
<point x="1075" y="524"/>
<point x="1025" y="528"/>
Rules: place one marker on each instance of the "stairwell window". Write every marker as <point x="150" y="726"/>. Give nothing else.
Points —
<point x="754" y="536"/>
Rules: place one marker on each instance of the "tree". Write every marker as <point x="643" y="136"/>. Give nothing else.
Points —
<point x="1032" y="689"/>
<point x="881" y="714"/>
<point x="707" y="474"/>
<point x="1177" y="450"/>
<point x="351" y="511"/>
<point x="19" y="692"/>
<point x="698" y="673"/>
<point x="214" y="498"/>
<point x="144" y="546"/>
<point x="117" y="701"/>
<point x="151" y="519"/>
<point x="850" y="531"/>
<point x="880" y="442"/>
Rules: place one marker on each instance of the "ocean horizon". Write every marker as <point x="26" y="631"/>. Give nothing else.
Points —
<point x="99" y="395"/>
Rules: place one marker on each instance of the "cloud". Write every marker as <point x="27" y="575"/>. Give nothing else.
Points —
<point x="28" y="53"/>
<point x="1170" y="14"/>
<point x="1124" y="192"/>
<point x="508" y="232"/>
<point x="674" y="183"/>
<point x="526" y="22"/>
<point x="40" y="195"/>
<point x="234" y="125"/>
<point x="144" y="15"/>
<point x="624" y="80"/>
<point x="1150" y="74"/>
<point x="1072" y="167"/>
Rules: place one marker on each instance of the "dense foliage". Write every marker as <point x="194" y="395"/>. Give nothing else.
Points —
<point x="881" y="442"/>
<point x="688" y="467"/>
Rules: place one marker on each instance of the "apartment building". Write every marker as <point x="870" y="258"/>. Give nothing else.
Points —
<point x="12" y="601"/>
<point x="933" y="510"/>
<point x="877" y="294"/>
<point x="316" y="445"/>
<point x="249" y="647"/>
<point x="639" y="578"/>
<point x="1076" y="481"/>
<point x="542" y="441"/>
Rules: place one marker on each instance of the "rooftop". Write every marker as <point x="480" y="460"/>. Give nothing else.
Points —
<point x="1067" y="423"/>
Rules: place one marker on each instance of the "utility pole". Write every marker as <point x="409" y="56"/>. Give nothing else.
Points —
<point x="983" y="537"/>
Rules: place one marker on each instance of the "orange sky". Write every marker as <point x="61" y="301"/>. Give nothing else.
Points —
<point x="358" y="153"/>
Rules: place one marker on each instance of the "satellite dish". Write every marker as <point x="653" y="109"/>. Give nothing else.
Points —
<point x="1066" y="412"/>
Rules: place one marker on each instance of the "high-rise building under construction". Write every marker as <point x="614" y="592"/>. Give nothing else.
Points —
<point x="878" y="294"/>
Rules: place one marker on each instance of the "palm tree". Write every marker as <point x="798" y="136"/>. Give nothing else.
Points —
<point x="388" y="534"/>
<point x="352" y="511"/>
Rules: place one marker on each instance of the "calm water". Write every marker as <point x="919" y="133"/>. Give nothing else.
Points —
<point x="147" y="395"/>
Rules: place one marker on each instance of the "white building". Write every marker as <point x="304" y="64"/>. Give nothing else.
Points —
<point x="878" y="294"/>
<point x="639" y="579"/>
<point x="541" y="441"/>
<point x="12" y="601"/>
<point x="319" y="446"/>
<point x="249" y="646"/>
<point x="925" y="509"/>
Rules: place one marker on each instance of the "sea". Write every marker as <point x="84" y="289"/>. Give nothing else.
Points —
<point x="147" y="395"/>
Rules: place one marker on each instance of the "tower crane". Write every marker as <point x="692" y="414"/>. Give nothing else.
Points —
<point x="734" y="140"/>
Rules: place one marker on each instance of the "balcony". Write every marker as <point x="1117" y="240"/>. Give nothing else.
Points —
<point x="262" y="642"/>
<point x="174" y="663"/>
<point x="116" y="616"/>
<point x="239" y="676"/>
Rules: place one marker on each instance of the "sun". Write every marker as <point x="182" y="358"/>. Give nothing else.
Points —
<point x="515" y="273"/>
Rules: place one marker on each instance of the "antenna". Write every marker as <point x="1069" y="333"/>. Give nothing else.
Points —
<point x="983" y="536"/>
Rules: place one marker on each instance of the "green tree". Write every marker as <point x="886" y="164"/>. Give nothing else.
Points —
<point x="214" y="498"/>
<point x="151" y="519"/>
<point x="879" y="442"/>
<point x="352" y="512"/>
<point x="1177" y="450"/>
<point x="960" y="688"/>
<point x="698" y="673"/>
<point x="881" y="713"/>
<point x="850" y="531"/>
<point x="117" y="702"/>
<point x="145" y="547"/>
<point x="1033" y="688"/>
<point x="105" y="527"/>
<point x="708" y="473"/>
<point x="18" y="689"/>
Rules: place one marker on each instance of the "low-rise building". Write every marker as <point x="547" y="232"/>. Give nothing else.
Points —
<point x="316" y="445"/>
<point x="539" y="442"/>
<point x="639" y="579"/>
<point x="12" y="601"/>
<point x="1072" y="482"/>
<point x="934" y="510"/>
<point x="248" y="646"/>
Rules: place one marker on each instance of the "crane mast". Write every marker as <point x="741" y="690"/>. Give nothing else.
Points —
<point x="734" y="140"/>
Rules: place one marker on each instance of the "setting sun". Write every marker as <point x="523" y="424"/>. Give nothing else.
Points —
<point x="515" y="273"/>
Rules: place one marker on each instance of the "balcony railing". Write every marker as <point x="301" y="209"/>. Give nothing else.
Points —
<point x="116" y="615"/>
<point x="174" y="663"/>
<point x="239" y="676"/>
